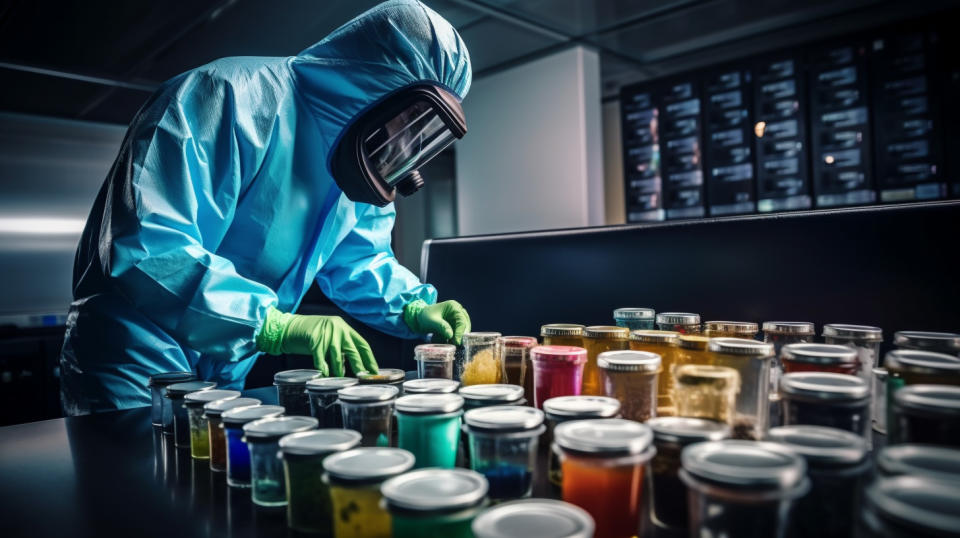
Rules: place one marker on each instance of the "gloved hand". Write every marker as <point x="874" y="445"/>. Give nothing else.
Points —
<point x="328" y="339"/>
<point x="447" y="320"/>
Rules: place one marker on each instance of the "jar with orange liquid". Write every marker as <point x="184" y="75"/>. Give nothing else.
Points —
<point x="596" y="340"/>
<point x="692" y="349"/>
<point x="562" y="334"/>
<point x="663" y="343"/>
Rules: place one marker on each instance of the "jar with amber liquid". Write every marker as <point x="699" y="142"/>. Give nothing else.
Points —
<point x="596" y="340"/>
<point x="731" y="329"/>
<point x="692" y="349"/>
<point x="562" y="334"/>
<point x="663" y="343"/>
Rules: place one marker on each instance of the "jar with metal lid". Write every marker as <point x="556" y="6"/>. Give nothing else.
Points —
<point x="751" y="359"/>
<point x="181" y="419"/>
<point x="781" y="333"/>
<point x="823" y="399"/>
<point x="434" y="502"/>
<point x="355" y="477"/>
<point x="503" y="447"/>
<point x="596" y="340"/>
<point x="914" y="367"/>
<point x="368" y="409"/>
<point x="668" y="495"/>
<point x="514" y="354"/>
<point x="429" y="427"/>
<point x="707" y="392"/>
<point x="557" y="371"/>
<point x="910" y="507"/>
<point x="604" y="465"/>
<point x="291" y="390"/>
<point x="161" y="414"/>
<point x="564" y="409"/>
<point x="679" y="322"/>
<point x="838" y="467"/>
<point x="926" y="414"/>
<point x="634" y="318"/>
<point x="948" y="343"/>
<point x="266" y="469"/>
<point x="692" y="349"/>
<point x="308" y="497"/>
<point x="543" y="518"/>
<point x="238" y="453"/>
<point x="562" y="334"/>
<point x="431" y="386"/>
<point x="324" y="400"/>
<point x="476" y="396"/>
<point x="730" y="329"/>
<point x="819" y="358"/>
<point x="386" y="376"/>
<point x="742" y="488"/>
<point x="664" y="344"/>
<point x="937" y="462"/>
<point x="435" y="360"/>
<point x="631" y="377"/>
<point x="199" y="431"/>
<point x="864" y="338"/>
<point x="481" y="360"/>
<point x="218" y="441"/>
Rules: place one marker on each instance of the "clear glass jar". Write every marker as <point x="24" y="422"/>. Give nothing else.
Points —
<point x="780" y="334"/>
<point x="604" y="464"/>
<point x="546" y="517"/>
<point x="368" y="409"/>
<point x="838" y="468"/>
<point x="481" y="361"/>
<point x="562" y="334"/>
<point x="707" y="392"/>
<point x="819" y="358"/>
<point x="324" y="400"/>
<point x="927" y="414"/>
<point x="634" y="318"/>
<point x="431" y="386"/>
<point x="434" y="502"/>
<point x="435" y="361"/>
<point x="731" y="329"/>
<point x="910" y="507"/>
<point x="503" y="447"/>
<point x="291" y="390"/>
<point x="266" y="469"/>
<point x="308" y="497"/>
<point x="668" y="495"/>
<point x="864" y="338"/>
<point x="386" y="376"/>
<point x="564" y="409"/>
<point x="238" y="454"/>
<point x="429" y="427"/>
<point x="751" y="359"/>
<point x="596" y="340"/>
<point x="199" y="431"/>
<point x="948" y="343"/>
<point x="879" y="400"/>
<point x="181" y="421"/>
<point x="742" y="488"/>
<point x="218" y="440"/>
<point x="664" y="344"/>
<point x="631" y="378"/>
<point x="160" y="413"/>
<point x="679" y="322"/>
<point x="355" y="477"/>
<point x="913" y="367"/>
<point x="557" y="371"/>
<point x="514" y="354"/>
<point x="476" y="396"/>
<point x="823" y="399"/>
<point x="692" y="349"/>
<point x="938" y="462"/>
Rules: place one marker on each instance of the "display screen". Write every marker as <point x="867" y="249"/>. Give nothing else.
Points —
<point x="728" y="139"/>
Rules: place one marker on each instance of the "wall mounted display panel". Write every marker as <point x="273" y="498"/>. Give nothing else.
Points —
<point x="641" y="156"/>
<point x="680" y="134"/>
<point x="728" y="141"/>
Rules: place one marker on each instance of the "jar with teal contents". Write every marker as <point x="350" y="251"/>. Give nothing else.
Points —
<point x="354" y="478"/>
<point x="368" y="409"/>
<point x="429" y="427"/>
<point x="238" y="454"/>
<point x="635" y="318"/>
<point x="503" y="447"/>
<point x="434" y="503"/>
<point x="266" y="469"/>
<point x="323" y="399"/>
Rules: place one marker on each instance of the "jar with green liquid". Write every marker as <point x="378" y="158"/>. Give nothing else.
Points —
<point x="429" y="427"/>
<point x="199" y="433"/>
<point x="435" y="503"/>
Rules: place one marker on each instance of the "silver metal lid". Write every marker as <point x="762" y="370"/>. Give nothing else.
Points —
<point x="818" y="353"/>
<point x="201" y="397"/>
<point x="385" y="375"/>
<point x="919" y="503"/>
<point x="748" y="464"/>
<point x="179" y="390"/>
<point x="931" y="400"/>
<point x="504" y="418"/>
<point x="430" y="386"/>
<point x="169" y="378"/>
<point x="821" y="446"/>
<point x="740" y="346"/>
<point x="678" y="318"/>
<point x="685" y="431"/>
<point x="243" y="415"/>
<point x="480" y="338"/>
<point x="496" y="392"/>
<point x="930" y="341"/>
<point x="629" y="361"/>
<point x="561" y="329"/>
<point x="634" y="313"/>
<point x="853" y="332"/>
<point x="368" y="463"/>
<point x="789" y="327"/>
<point x="429" y="404"/>
<point x="217" y="407"/>
<point x="655" y="337"/>
<point x="940" y="462"/>
<point x="606" y="331"/>
<point x="541" y="518"/>
<point x="295" y="377"/>
<point x="732" y="326"/>
<point x="319" y="442"/>
<point x="330" y="384"/>
<point x="435" y="352"/>
<point x="603" y="436"/>
<point x="824" y="386"/>
<point x="368" y="393"/>
<point x="435" y="489"/>
<point x="581" y="407"/>
<point x="921" y="362"/>
<point x="277" y="427"/>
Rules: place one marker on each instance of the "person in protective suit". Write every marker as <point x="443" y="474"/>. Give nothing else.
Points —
<point x="243" y="181"/>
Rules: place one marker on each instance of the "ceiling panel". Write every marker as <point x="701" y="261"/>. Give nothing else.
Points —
<point x="492" y="42"/>
<point x="580" y="17"/>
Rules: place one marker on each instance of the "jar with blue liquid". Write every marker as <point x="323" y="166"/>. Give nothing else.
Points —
<point x="238" y="454"/>
<point x="266" y="469"/>
<point x="503" y="447"/>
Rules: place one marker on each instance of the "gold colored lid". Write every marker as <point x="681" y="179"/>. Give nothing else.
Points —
<point x="606" y="331"/>
<point x="655" y="337"/>
<point x="694" y="342"/>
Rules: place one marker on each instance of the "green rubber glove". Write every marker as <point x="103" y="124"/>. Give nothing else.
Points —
<point x="328" y="339"/>
<point x="447" y="320"/>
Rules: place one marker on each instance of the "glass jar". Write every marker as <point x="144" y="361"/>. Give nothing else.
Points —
<point x="927" y="414"/>
<point x="679" y="322"/>
<point x="596" y="340"/>
<point x="160" y="412"/>
<point x="668" y="495"/>
<point x="564" y="409"/>
<point x="266" y="469"/>
<point x="864" y="338"/>
<point x="910" y="507"/>
<point x="824" y="399"/>
<point x="878" y="402"/>
<point x="355" y="477"/>
<point x="948" y="343"/>
<point x="751" y="359"/>
<point x="434" y="502"/>
<point x="481" y="362"/>
<point x="604" y="462"/>
<point x="181" y="421"/>
<point x="429" y="427"/>
<point x="324" y="404"/>
<point x="730" y="329"/>
<point x="557" y="371"/>
<point x="218" y="440"/>
<point x="544" y="518"/>
<point x="503" y="447"/>
<point x="368" y="409"/>
<point x="634" y="318"/>
<point x="664" y="344"/>
<point x="514" y="354"/>
<point x="476" y="396"/>
<point x="238" y="454"/>
<point x="913" y="367"/>
<point x="562" y="334"/>
<point x="692" y="349"/>
<point x="781" y="333"/>
<point x="838" y="468"/>
<point x="435" y="361"/>
<point x="819" y="358"/>
<point x="431" y="386"/>
<point x="707" y="392"/>
<point x="199" y="431"/>
<point x="631" y="377"/>
<point x="742" y="488"/>
<point x="308" y="497"/>
<point x="386" y="376"/>
<point x="291" y="390"/>
<point x="938" y="462"/>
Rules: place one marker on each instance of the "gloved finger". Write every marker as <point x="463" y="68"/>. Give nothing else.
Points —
<point x="335" y="357"/>
<point x="366" y="354"/>
<point x="461" y="323"/>
<point x="352" y="356"/>
<point x="442" y="330"/>
<point x="320" y="363"/>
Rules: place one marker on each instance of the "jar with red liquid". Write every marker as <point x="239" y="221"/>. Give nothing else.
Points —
<point x="819" y="358"/>
<point x="557" y="371"/>
<point x="515" y="362"/>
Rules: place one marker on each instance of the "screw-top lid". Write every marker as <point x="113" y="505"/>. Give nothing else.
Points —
<point x="385" y="375"/>
<point x="746" y="464"/>
<point x="603" y="436"/>
<point x="201" y="397"/>
<point x="217" y="407"/>
<point x="295" y="377"/>
<point x="518" y="342"/>
<point x="480" y="338"/>
<point x="738" y="327"/>
<point x="319" y="442"/>
<point x="606" y="331"/>
<point x="368" y="393"/>
<point x="789" y="327"/>
<point x="634" y="313"/>
<point x="670" y="338"/>
<point x="722" y="377"/>
<point x="504" y="418"/>
<point x="821" y="446"/>
<point x="543" y="518"/>
<point x="242" y="415"/>
<point x="918" y="503"/>
<point x="561" y="329"/>
<point x="330" y="384"/>
<point x="277" y="427"/>
<point x="495" y="392"/>
<point x="430" y="385"/>
<point x="581" y="407"/>
<point x="629" y="361"/>
<point x="435" y="489"/>
<point x="824" y="354"/>
<point x="169" y="378"/>
<point x="940" y="401"/>
<point x="853" y="332"/>
<point x="685" y="431"/>
<point x="429" y="404"/>
<point x="930" y="341"/>
<point x="368" y="463"/>
<point x="740" y="346"/>
<point x="179" y="390"/>
<point x="912" y="360"/>
<point x="435" y="352"/>
<point x="823" y="386"/>
<point x="693" y="341"/>
<point x="678" y="318"/>
<point x="940" y="462"/>
<point x="571" y="354"/>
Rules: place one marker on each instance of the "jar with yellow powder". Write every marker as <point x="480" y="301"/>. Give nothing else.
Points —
<point x="481" y="361"/>
<point x="663" y="343"/>
<point x="596" y="340"/>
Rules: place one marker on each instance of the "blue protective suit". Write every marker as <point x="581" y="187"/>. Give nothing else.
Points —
<point x="221" y="204"/>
